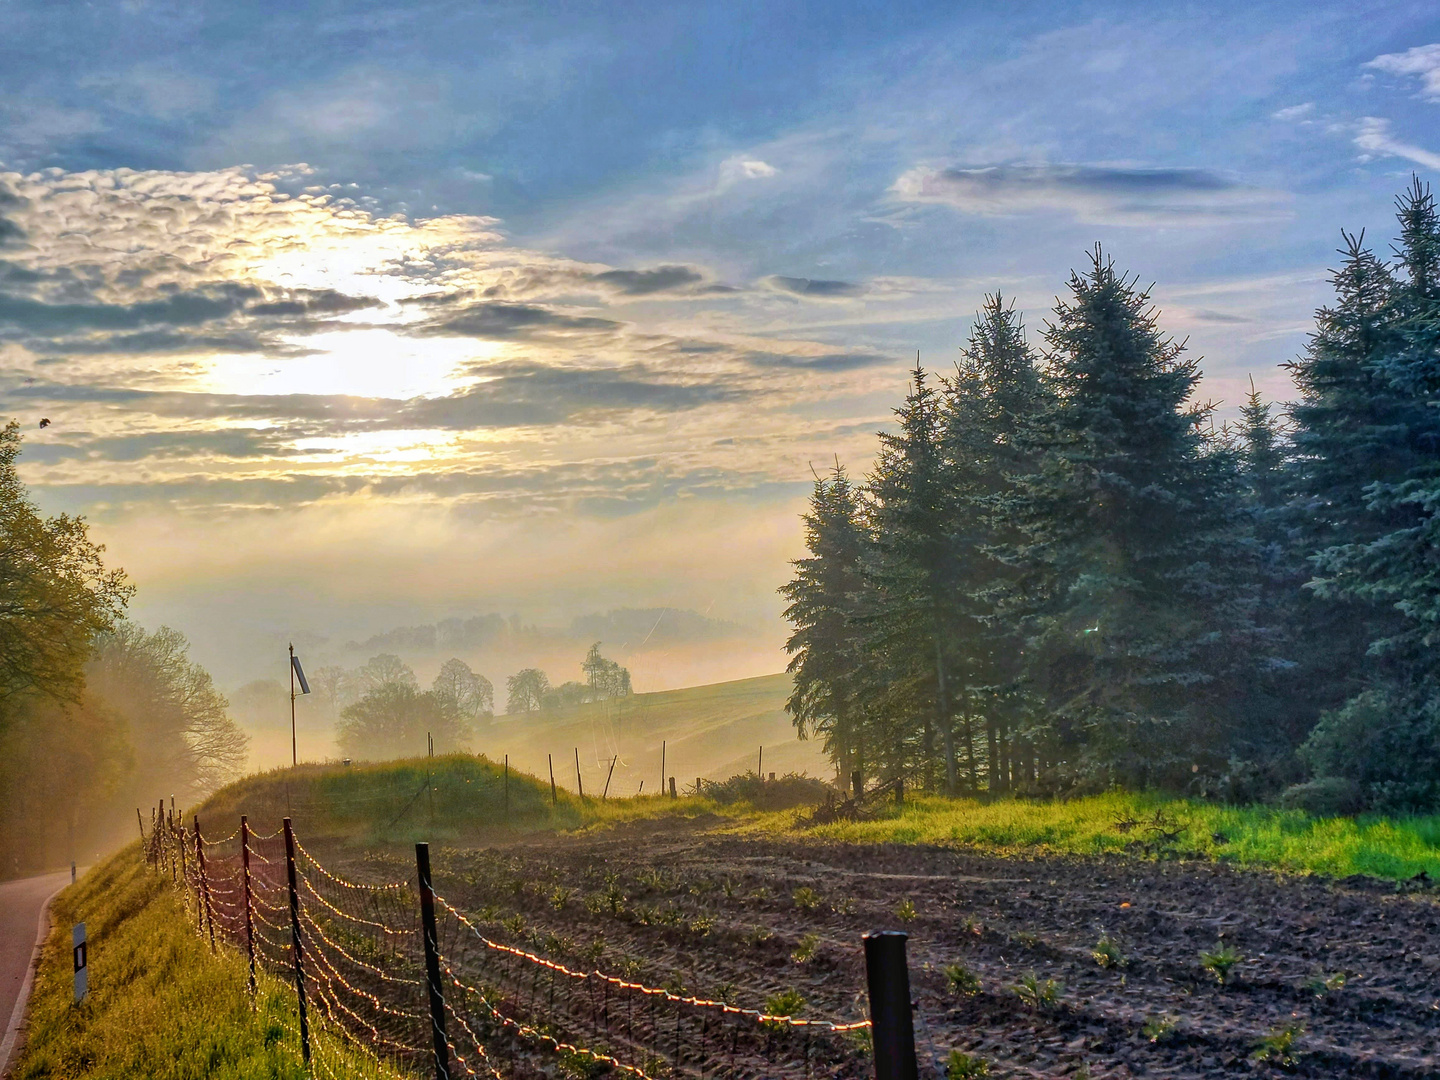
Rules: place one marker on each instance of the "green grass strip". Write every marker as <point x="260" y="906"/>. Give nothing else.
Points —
<point x="160" y="1004"/>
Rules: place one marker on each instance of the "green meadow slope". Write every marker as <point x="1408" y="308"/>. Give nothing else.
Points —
<point x="711" y="731"/>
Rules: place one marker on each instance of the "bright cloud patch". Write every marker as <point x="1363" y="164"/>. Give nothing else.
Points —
<point x="1094" y="193"/>
<point x="1422" y="62"/>
<point x="1375" y="138"/>
<point x="225" y="340"/>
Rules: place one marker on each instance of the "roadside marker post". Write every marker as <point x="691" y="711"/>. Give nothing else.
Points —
<point x="432" y="962"/>
<point x="892" y="1019"/>
<point x="82" y="968"/>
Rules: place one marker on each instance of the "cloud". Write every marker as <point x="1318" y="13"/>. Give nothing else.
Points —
<point x="1422" y="61"/>
<point x="814" y="288"/>
<point x="512" y="322"/>
<point x="1294" y="112"/>
<point x="1110" y="194"/>
<point x="757" y="170"/>
<point x="836" y="361"/>
<point x="1374" y="138"/>
<point x="647" y="282"/>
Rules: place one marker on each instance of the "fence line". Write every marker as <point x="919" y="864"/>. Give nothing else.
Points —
<point x="406" y="978"/>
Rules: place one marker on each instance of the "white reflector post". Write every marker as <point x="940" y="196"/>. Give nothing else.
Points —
<point x="82" y="981"/>
<point x="300" y="674"/>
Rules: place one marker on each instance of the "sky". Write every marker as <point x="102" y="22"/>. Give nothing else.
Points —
<point x="352" y="315"/>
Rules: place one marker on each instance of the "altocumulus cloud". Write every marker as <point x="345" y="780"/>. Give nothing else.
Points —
<point x="1112" y="194"/>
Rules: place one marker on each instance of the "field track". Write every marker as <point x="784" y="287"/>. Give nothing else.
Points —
<point x="1001" y="918"/>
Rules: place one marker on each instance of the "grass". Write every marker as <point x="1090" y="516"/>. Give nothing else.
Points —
<point x="1395" y="848"/>
<point x="160" y="1005"/>
<point x="458" y="797"/>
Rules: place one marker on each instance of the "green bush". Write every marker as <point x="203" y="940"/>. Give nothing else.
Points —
<point x="1330" y="796"/>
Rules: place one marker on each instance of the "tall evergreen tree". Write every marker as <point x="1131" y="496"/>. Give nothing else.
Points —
<point x="916" y="579"/>
<point x="825" y="646"/>
<point x="1387" y="738"/>
<point x="989" y="407"/>
<point x="1137" y="625"/>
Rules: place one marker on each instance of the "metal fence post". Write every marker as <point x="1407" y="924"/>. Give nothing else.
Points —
<point x="245" y="884"/>
<point x="892" y="1017"/>
<point x="432" y="962"/>
<point x="296" y="948"/>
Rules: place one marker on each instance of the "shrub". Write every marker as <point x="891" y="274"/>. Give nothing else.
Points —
<point x="1330" y="796"/>
<point x="784" y="793"/>
<point x="1160" y="1029"/>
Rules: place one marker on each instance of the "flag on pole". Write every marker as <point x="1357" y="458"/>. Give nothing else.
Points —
<point x="299" y="673"/>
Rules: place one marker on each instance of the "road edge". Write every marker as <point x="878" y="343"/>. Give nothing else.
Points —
<point x="11" y="1041"/>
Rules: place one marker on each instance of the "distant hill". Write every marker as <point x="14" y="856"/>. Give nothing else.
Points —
<point x="710" y="731"/>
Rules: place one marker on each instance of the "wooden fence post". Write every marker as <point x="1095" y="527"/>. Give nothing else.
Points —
<point x="579" y="784"/>
<point x="296" y="949"/>
<point x="204" y="913"/>
<point x="892" y="1020"/>
<point x="507" y="788"/>
<point x="245" y="884"/>
<point x="554" y="798"/>
<point x="432" y="962"/>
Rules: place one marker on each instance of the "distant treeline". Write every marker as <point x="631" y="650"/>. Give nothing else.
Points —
<point x="628" y="627"/>
<point x="1062" y="575"/>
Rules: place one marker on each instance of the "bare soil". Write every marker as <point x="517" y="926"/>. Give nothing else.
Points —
<point x="676" y="905"/>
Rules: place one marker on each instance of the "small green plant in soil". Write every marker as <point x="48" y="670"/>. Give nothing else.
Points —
<point x="805" y="950"/>
<point x="962" y="980"/>
<point x="785" y="1003"/>
<point x="1038" y="993"/>
<point x="973" y="926"/>
<point x="560" y="896"/>
<point x="1278" y="1046"/>
<point x="905" y="911"/>
<point x="515" y="924"/>
<point x="1321" y="984"/>
<point x="630" y="968"/>
<point x="759" y="935"/>
<point x="702" y="925"/>
<point x="595" y="951"/>
<point x="844" y="906"/>
<point x="963" y="1066"/>
<point x="1107" y="954"/>
<point x="1222" y="962"/>
<point x="1160" y="1029"/>
<point x="806" y="898"/>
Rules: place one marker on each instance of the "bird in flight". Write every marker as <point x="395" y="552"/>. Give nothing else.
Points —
<point x="45" y="422"/>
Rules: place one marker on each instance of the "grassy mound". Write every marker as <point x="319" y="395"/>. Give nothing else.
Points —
<point x="160" y="1004"/>
<point x="441" y="798"/>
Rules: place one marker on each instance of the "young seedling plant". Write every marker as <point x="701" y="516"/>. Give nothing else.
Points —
<point x="1160" y="1029"/>
<point x="1222" y="962"/>
<point x="905" y="911"/>
<point x="965" y="1066"/>
<point x="805" y="950"/>
<point x="1278" y="1045"/>
<point x="962" y="980"/>
<point x="1107" y="954"/>
<point x="1038" y="993"/>
<point x="806" y="898"/>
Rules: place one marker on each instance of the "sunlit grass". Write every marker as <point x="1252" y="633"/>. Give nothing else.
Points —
<point x="456" y="797"/>
<point x="160" y="1004"/>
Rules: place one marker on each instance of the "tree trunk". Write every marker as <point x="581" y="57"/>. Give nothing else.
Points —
<point x="942" y="711"/>
<point x="992" y="746"/>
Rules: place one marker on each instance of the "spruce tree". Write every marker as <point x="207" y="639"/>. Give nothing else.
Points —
<point x="825" y="646"/>
<point x="914" y="576"/>
<point x="1387" y="738"/>
<point x="989" y="407"/>
<point x="1138" y="623"/>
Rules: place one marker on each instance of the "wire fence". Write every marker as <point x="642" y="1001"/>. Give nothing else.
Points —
<point x="407" y="980"/>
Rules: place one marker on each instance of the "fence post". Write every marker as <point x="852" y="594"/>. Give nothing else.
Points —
<point x="205" y="914"/>
<point x="606" y="793"/>
<point x="432" y="962"/>
<point x="245" y="886"/>
<point x="507" y="788"/>
<point x="295" y="947"/>
<point x="672" y="788"/>
<point x="167" y="826"/>
<point x="579" y="784"/>
<point x="892" y="1019"/>
<point x="141" y="822"/>
<point x="178" y="832"/>
<point x="554" y="799"/>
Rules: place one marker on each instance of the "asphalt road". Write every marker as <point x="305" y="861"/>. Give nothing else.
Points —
<point x="21" y="903"/>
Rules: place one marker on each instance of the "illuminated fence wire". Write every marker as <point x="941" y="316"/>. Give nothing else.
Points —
<point x="362" y="969"/>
